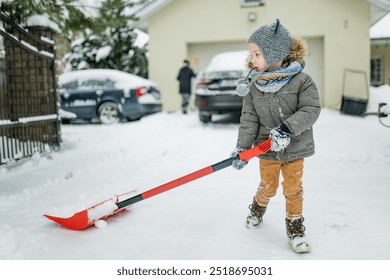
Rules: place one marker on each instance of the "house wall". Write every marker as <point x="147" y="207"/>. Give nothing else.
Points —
<point x="384" y="52"/>
<point x="341" y="25"/>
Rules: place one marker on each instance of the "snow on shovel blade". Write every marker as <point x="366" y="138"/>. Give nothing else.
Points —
<point x="91" y="215"/>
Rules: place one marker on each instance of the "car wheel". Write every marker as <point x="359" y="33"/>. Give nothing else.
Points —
<point x="205" y="118"/>
<point x="108" y="113"/>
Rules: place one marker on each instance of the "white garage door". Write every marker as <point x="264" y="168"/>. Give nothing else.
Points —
<point x="315" y="62"/>
<point x="200" y="55"/>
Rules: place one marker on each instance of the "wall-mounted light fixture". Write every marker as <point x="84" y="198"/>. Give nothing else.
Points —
<point x="252" y="16"/>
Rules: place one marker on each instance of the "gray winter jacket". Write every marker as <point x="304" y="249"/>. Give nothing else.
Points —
<point x="296" y="104"/>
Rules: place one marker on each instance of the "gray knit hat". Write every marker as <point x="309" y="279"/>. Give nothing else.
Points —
<point x="274" y="41"/>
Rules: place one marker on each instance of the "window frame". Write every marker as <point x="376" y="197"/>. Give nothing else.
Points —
<point x="251" y="3"/>
<point x="376" y="65"/>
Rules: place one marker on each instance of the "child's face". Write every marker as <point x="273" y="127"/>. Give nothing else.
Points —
<point x="257" y="58"/>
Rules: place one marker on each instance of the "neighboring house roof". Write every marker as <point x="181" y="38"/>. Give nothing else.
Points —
<point x="381" y="29"/>
<point x="379" y="8"/>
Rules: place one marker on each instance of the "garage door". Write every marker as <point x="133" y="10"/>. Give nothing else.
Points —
<point x="201" y="54"/>
<point x="315" y="62"/>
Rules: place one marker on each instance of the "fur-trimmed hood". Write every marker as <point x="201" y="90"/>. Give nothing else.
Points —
<point x="298" y="50"/>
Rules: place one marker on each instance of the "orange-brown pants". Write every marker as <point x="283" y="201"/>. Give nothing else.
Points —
<point x="292" y="184"/>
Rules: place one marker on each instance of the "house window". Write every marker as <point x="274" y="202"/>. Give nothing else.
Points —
<point x="251" y="3"/>
<point x="376" y="71"/>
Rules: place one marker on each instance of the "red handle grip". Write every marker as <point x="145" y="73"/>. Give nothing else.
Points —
<point x="262" y="148"/>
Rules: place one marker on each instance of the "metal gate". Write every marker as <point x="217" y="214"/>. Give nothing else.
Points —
<point x="29" y="121"/>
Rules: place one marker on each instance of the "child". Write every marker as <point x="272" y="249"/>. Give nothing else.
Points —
<point x="280" y="102"/>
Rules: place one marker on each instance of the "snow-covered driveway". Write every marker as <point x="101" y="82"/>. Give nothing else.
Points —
<point x="347" y="194"/>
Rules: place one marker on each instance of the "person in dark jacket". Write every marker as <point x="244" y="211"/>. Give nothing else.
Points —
<point x="184" y="77"/>
<point x="280" y="102"/>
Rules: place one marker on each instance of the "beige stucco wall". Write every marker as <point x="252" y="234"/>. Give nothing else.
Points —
<point x="384" y="52"/>
<point x="344" y="25"/>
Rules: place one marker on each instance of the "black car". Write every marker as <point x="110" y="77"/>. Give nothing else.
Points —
<point x="216" y="86"/>
<point x="108" y="95"/>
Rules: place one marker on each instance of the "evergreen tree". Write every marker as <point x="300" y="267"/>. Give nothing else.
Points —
<point x="105" y="41"/>
<point x="64" y="13"/>
<point x="110" y="43"/>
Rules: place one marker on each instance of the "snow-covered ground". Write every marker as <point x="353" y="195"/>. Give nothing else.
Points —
<point x="379" y="95"/>
<point x="347" y="194"/>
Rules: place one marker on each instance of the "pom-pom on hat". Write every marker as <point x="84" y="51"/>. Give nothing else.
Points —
<point x="273" y="40"/>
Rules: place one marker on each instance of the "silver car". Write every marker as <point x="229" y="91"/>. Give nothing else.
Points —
<point x="216" y="85"/>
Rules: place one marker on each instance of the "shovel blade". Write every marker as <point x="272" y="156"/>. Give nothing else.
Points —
<point x="78" y="221"/>
<point x="91" y="215"/>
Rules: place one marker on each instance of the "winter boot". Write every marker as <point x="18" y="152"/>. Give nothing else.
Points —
<point x="296" y="235"/>
<point x="255" y="217"/>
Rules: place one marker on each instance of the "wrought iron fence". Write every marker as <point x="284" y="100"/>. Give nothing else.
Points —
<point x="29" y="121"/>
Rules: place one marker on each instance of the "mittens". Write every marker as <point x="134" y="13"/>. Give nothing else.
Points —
<point x="238" y="163"/>
<point x="281" y="137"/>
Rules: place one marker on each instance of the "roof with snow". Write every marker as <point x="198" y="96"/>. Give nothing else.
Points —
<point x="381" y="29"/>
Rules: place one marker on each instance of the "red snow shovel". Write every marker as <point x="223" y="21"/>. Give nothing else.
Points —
<point x="102" y="210"/>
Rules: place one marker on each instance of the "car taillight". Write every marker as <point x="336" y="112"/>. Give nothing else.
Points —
<point x="202" y="83"/>
<point x="201" y="103"/>
<point x="140" y="91"/>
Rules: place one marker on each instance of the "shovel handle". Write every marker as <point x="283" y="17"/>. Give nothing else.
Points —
<point x="246" y="155"/>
